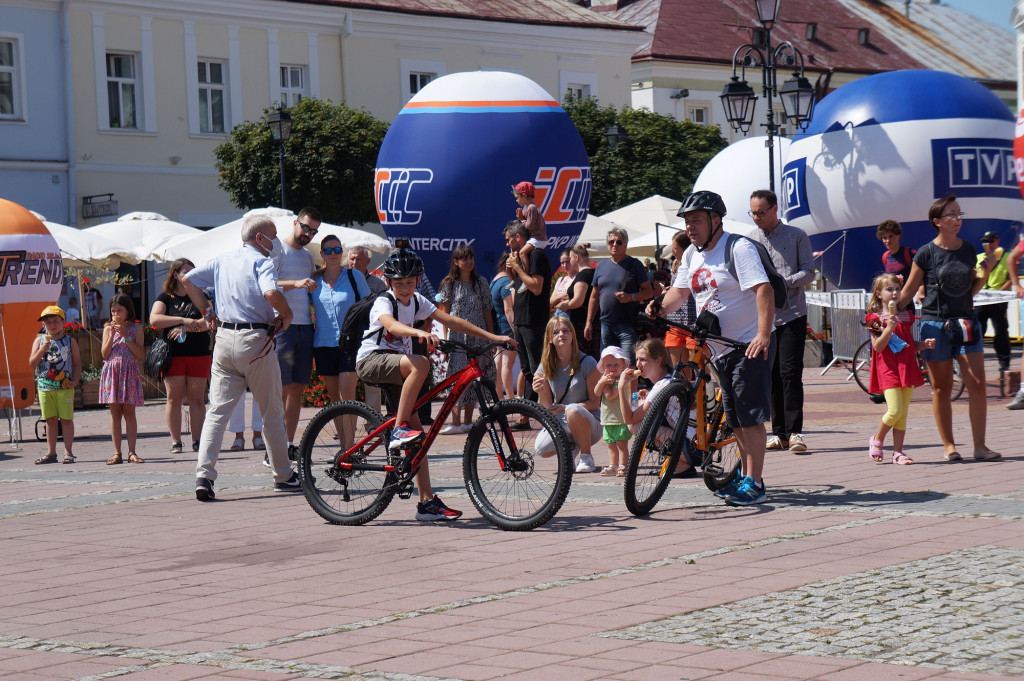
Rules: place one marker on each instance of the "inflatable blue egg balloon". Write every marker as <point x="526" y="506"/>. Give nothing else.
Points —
<point x="886" y="147"/>
<point x="448" y="163"/>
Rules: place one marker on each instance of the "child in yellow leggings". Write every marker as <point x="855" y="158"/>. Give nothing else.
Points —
<point x="894" y="369"/>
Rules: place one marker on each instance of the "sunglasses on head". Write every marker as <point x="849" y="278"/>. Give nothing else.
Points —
<point x="335" y="250"/>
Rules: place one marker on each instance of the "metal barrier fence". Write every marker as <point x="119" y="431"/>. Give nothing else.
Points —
<point x="846" y="309"/>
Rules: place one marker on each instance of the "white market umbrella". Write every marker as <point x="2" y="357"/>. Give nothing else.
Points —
<point x="79" y="249"/>
<point x="595" y="232"/>
<point x="643" y="246"/>
<point x="227" y="237"/>
<point x="639" y="218"/>
<point x="143" y="236"/>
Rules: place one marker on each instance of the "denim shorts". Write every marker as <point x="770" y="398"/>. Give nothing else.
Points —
<point x="295" y="353"/>
<point x="932" y="328"/>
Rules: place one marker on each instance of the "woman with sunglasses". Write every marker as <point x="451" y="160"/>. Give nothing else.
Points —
<point x="948" y="267"/>
<point x="337" y="288"/>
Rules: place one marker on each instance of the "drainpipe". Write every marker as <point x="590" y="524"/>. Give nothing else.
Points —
<point x="69" y="108"/>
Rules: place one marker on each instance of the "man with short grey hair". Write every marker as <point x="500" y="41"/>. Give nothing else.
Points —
<point x="620" y="286"/>
<point x="250" y="310"/>
<point x="359" y="260"/>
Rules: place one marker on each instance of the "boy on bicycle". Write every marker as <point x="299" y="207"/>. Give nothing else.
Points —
<point x="385" y="357"/>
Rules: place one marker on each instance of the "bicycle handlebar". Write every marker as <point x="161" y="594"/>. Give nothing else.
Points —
<point x="700" y="334"/>
<point x="448" y="346"/>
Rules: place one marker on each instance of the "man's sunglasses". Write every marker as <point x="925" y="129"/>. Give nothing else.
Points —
<point x="615" y="242"/>
<point x="307" y="229"/>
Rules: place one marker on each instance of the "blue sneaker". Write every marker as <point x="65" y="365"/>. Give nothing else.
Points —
<point x="747" y="493"/>
<point x="403" y="435"/>
<point x="730" y="486"/>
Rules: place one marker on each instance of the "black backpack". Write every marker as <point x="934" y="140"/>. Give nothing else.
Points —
<point x="778" y="284"/>
<point x="357" y="321"/>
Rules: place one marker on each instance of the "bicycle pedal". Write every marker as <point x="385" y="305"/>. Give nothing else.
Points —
<point x="405" y="490"/>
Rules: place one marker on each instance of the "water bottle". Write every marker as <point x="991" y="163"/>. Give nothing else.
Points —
<point x="634" y="401"/>
<point x="181" y="335"/>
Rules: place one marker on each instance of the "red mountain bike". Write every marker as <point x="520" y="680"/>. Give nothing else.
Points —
<point x="349" y="473"/>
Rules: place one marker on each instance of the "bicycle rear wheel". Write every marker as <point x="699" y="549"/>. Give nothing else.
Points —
<point x="655" y="452"/>
<point x="530" y="488"/>
<point x="958" y="382"/>
<point x="338" y="495"/>
<point x="862" y="366"/>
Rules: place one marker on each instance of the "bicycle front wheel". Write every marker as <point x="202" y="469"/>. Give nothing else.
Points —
<point x="339" y="434"/>
<point x="656" y="448"/>
<point x="958" y="382"/>
<point x="513" y="486"/>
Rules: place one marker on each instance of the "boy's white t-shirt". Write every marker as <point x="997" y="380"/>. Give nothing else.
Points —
<point x="407" y="314"/>
<point x="714" y="289"/>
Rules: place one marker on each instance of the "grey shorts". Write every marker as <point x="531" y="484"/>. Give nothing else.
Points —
<point x="382" y="368"/>
<point x="295" y="353"/>
<point x="746" y="387"/>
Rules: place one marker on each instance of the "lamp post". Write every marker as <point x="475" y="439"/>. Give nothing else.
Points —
<point x="280" y="129"/>
<point x="796" y="93"/>
<point x="615" y="134"/>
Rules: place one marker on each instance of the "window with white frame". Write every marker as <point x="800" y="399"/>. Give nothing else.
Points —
<point x="10" y="79"/>
<point x="293" y="85"/>
<point x="122" y="91"/>
<point x="418" y="80"/>
<point x="699" y="114"/>
<point x="211" y="96"/>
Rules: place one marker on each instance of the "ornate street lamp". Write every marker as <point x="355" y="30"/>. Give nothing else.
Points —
<point x="796" y="93"/>
<point x="280" y="129"/>
<point x="615" y="134"/>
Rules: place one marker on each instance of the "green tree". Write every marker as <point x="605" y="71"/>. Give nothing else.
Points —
<point x="660" y="156"/>
<point x="329" y="164"/>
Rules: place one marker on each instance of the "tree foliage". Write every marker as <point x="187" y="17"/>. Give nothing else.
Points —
<point x="330" y="160"/>
<point x="660" y="156"/>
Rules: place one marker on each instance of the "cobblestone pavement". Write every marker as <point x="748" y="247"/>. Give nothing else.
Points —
<point x="852" y="571"/>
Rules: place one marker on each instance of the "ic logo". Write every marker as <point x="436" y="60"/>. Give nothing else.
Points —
<point x="563" y="194"/>
<point x="391" y="189"/>
<point x="794" y="189"/>
<point x="974" y="167"/>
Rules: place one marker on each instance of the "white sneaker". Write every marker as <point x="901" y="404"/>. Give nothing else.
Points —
<point x="586" y="464"/>
<point x="451" y="429"/>
<point x="1018" y="401"/>
<point x="465" y="427"/>
<point x="796" y="443"/>
<point x="773" y="443"/>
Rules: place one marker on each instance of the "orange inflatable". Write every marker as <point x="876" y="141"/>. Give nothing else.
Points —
<point x="31" y="275"/>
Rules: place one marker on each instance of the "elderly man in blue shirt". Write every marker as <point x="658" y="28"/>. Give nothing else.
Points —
<point x="249" y="308"/>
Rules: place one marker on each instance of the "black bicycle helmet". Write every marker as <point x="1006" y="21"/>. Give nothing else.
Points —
<point x="703" y="200"/>
<point x="402" y="263"/>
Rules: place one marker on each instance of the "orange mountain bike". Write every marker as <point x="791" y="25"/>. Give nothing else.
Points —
<point x="686" y="418"/>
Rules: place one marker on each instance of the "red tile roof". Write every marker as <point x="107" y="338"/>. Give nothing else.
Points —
<point x="709" y="31"/>
<point x="550" y="12"/>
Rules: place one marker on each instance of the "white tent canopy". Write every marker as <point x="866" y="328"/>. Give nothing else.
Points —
<point x="79" y="249"/>
<point x="643" y="247"/>
<point x="207" y="245"/>
<point x="640" y="217"/>
<point x="595" y="231"/>
<point x="142" y="236"/>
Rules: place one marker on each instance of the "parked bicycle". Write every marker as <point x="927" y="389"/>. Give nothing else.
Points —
<point x="666" y="432"/>
<point x="349" y="474"/>
<point x="861" y="368"/>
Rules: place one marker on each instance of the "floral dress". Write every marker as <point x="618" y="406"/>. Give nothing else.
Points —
<point x="469" y="300"/>
<point x="120" y="379"/>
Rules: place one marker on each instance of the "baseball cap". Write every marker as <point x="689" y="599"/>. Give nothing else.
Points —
<point x="524" y="188"/>
<point x="52" y="310"/>
<point x="989" y="237"/>
<point x="616" y="352"/>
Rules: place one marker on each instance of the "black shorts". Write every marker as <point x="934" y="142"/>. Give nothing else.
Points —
<point x="746" y="387"/>
<point x="332" y="361"/>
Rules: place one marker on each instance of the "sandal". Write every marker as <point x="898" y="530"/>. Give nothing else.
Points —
<point x="114" y="460"/>
<point x="238" y="445"/>
<point x="258" y="444"/>
<point x="621" y="472"/>
<point x="875" y="450"/>
<point x="901" y="459"/>
<point x="135" y="458"/>
<point x="68" y="457"/>
<point x="608" y="470"/>
<point x="49" y="458"/>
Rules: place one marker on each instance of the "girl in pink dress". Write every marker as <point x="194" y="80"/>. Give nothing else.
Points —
<point x="894" y="369"/>
<point x="120" y="380"/>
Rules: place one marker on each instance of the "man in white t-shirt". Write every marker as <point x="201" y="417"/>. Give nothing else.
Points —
<point x="295" y="267"/>
<point x="745" y="307"/>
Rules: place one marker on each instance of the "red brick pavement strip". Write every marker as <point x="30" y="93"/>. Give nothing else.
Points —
<point x="255" y="586"/>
